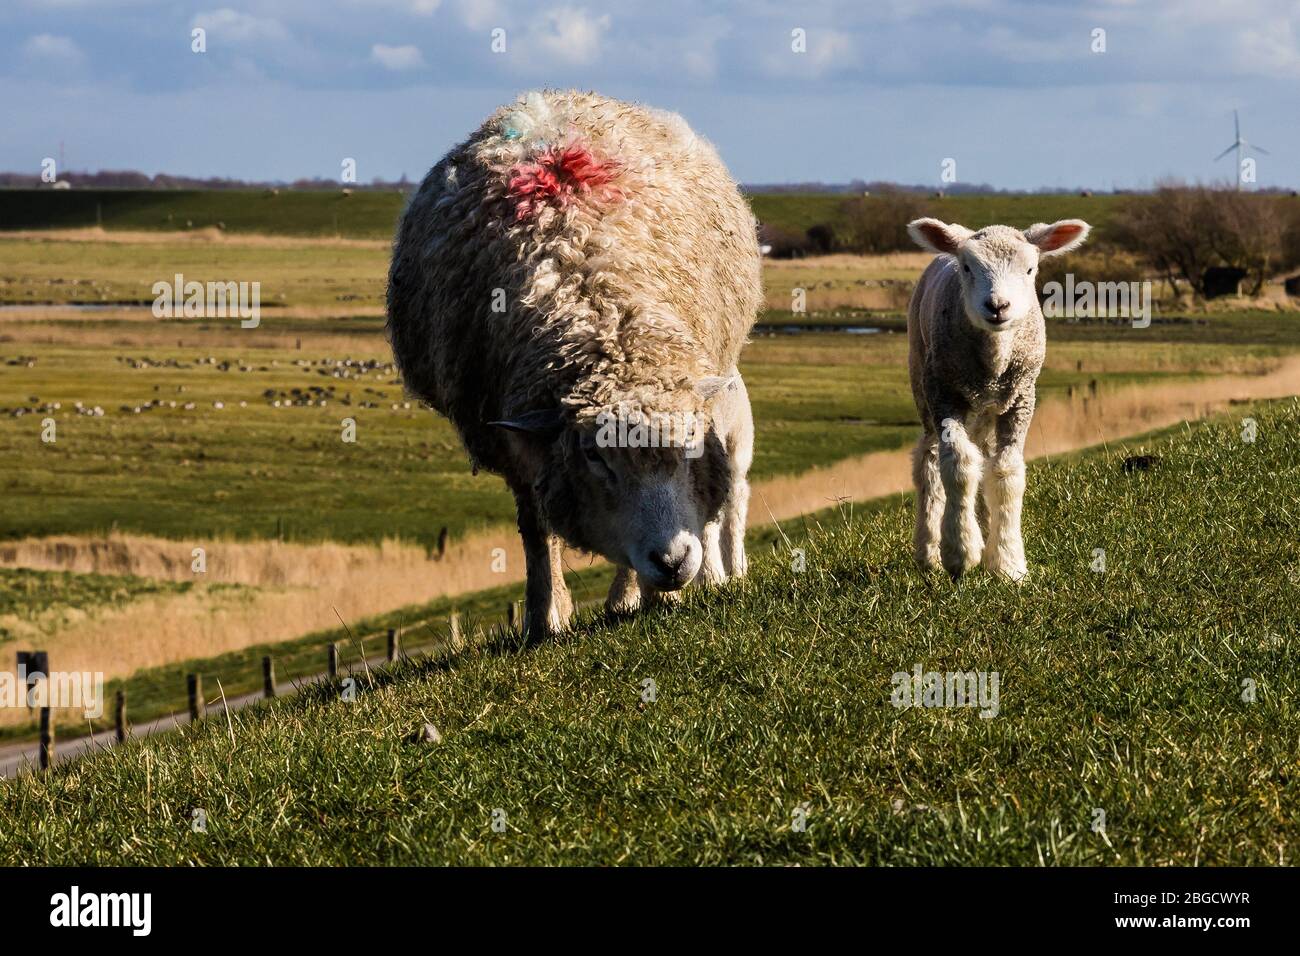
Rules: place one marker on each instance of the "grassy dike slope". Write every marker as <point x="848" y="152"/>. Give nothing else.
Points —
<point x="1120" y="691"/>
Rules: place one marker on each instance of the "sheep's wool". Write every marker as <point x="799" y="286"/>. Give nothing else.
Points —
<point x="575" y="252"/>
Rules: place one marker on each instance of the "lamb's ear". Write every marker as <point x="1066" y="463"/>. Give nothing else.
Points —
<point x="1059" y="237"/>
<point x="544" y="423"/>
<point x="937" y="236"/>
<point x="711" y="385"/>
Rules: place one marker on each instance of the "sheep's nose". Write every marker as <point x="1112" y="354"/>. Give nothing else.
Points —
<point x="677" y="565"/>
<point x="669" y="565"/>
<point x="997" y="306"/>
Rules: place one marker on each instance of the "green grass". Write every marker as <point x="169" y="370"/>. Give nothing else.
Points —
<point x="801" y="210"/>
<point x="29" y="596"/>
<point x="1120" y="691"/>
<point x="364" y="214"/>
<point x="262" y="472"/>
<point x="259" y="471"/>
<point x="373" y="215"/>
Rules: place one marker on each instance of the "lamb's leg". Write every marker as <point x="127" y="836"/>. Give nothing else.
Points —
<point x="548" y="607"/>
<point x="735" y="514"/>
<point x="929" y="500"/>
<point x="624" y="592"/>
<point x="1004" y="492"/>
<point x="960" y="467"/>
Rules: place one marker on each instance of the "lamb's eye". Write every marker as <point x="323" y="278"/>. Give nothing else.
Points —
<point x="1030" y="272"/>
<point x="965" y="268"/>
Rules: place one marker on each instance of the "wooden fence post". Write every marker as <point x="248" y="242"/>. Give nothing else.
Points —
<point x="512" y="615"/>
<point x="334" y="660"/>
<point x="453" y="629"/>
<point x="119" y="716"/>
<point x="47" y="739"/>
<point x="198" y="706"/>
<point x="394" y="645"/>
<point x="268" y="676"/>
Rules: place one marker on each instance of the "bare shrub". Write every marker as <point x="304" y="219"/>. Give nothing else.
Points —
<point x="878" y="224"/>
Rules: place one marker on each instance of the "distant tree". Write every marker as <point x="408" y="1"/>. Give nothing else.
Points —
<point x="821" y="239"/>
<point x="1181" y="231"/>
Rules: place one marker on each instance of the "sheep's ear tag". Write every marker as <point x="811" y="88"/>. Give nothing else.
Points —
<point x="546" y="421"/>
<point x="711" y="385"/>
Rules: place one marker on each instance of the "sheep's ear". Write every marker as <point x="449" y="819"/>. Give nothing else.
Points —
<point x="711" y="385"/>
<point x="937" y="236"/>
<point x="544" y="423"/>
<point x="1059" y="237"/>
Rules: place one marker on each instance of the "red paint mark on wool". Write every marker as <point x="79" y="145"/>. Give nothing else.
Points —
<point x="560" y="174"/>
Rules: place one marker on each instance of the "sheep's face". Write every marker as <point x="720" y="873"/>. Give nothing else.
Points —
<point x="637" y="498"/>
<point x="998" y="265"/>
<point x="643" y="507"/>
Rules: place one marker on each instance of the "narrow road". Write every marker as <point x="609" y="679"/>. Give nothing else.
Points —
<point x="25" y="757"/>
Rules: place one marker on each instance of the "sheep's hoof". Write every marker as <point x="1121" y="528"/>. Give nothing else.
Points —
<point x="626" y="604"/>
<point x="664" y="598"/>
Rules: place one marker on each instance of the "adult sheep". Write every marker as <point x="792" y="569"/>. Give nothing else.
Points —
<point x="577" y="262"/>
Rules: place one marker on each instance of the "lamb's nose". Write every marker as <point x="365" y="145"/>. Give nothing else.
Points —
<point x="997" y="306"/>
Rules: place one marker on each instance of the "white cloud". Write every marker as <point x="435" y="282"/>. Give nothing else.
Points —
<point x="826" y="50"/>
<point x="571" y="35"/>
<point x="480" y="14"/>
<point x="237" y="26"/>
<point x="53" y="49"/>
<point x="397" y="57"/>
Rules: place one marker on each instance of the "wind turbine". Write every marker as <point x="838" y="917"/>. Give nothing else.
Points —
<point x="1241" y="146"/>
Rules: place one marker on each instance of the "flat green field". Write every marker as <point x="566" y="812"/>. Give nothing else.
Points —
<point x="802" y="210"/>
<point x="364" y="214"/>
<point x="1143" y="713"/>
<point x="373" y="215"/>
<point x="252" y="469"/>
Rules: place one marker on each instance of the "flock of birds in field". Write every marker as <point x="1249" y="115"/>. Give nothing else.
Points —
<point x="312" y="396"/>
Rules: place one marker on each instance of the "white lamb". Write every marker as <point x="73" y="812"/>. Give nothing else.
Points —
<point x="976" y="343"/>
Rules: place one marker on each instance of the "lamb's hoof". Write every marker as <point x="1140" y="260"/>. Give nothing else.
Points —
<point x="1015" y="573"/>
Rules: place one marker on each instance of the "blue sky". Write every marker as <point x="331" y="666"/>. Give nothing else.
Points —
<point x="885" y="89"/>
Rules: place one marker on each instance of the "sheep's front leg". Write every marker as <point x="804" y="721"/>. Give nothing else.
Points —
<point x="930" y="500"/>
<point x="960" y="467"/>
<point x="735" y="515"/>
<point x="712" y="570"/>
<point x="624" y="592"/>
<point x="1004" y="493"/>
<point x="548" y="606"/>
